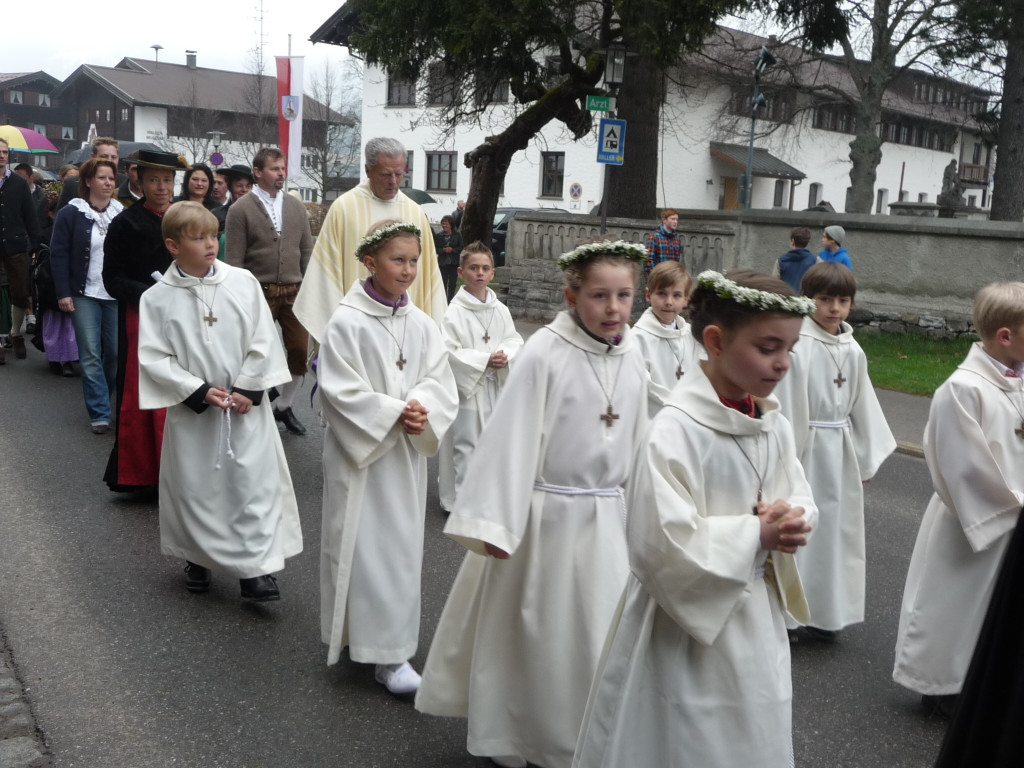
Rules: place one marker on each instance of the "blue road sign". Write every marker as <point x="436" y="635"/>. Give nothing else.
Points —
<point x="611" y="147"/>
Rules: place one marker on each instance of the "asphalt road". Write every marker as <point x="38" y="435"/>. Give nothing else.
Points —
<point x="124" y="668"/>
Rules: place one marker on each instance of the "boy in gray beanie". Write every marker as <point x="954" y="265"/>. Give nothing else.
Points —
<point x="834" y="251"/>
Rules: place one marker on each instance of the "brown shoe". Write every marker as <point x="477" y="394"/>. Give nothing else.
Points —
<point x="19" y="347"/>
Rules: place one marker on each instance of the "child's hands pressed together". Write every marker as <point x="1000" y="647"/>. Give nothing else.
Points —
<point x="498" y="360"/>
<point x="782" y="526"/>
<point x="413" y="418"/>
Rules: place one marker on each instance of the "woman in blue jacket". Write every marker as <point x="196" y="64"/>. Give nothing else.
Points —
<point x="76" y="257"/>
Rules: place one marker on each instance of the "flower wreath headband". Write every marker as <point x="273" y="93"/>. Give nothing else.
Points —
<point x="378" y="236"/>
<point x="724" y="288"/>
<point x="588" y="251"/>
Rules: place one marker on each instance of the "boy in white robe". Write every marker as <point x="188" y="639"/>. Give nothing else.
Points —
<point x="974" y="446"/>
<point x="206" y="339"/>
<point x="663" y="334"/>
<point x="388" y="397"/>
<point x="521" y="632"/>
<point x="696" y="667"/>
<point x="481" y="340"/>
<point x="842" y="439"/>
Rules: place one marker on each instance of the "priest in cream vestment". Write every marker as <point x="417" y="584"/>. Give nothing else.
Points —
<point x="333" y="269"/>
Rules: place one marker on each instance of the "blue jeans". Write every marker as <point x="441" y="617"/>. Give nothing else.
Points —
<point x="95" y="323"/>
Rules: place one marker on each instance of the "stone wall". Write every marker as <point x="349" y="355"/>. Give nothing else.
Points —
<point x="913" y="275"/>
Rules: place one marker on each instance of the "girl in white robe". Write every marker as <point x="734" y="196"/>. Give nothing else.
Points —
<point x="974" y="446"/>
<point x="482" y="340"/>
<point x="842" y="439"/>
<point x="696" y="667"/>
<point x="226" y="497"/>
<point x="668" y="348"/>
<point x="388" y="397"/>
<point x="522" y="630"/>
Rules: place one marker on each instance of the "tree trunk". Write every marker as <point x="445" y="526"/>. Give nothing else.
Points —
<point x="865" y="156"/>
<point x="633" y="186"/>
<point x="1008" y="189"/>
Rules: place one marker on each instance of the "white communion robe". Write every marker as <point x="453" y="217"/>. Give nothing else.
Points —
<point x="696" y="670"/>
<point x="233" y="513"/>
<point x="842" y="438"/>
<point x="465" y="325"/>
<point x="668" y="354"/>
<point x="375" y="474"/>
<point x="976" y="461"/>
<point x="519" y="639"/>
<point x="333" y="269"/>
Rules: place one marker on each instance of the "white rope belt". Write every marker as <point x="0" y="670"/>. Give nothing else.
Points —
<point x="569" y="490"/>
<point x="226" y="416"/>
<point x="830" y="424"/>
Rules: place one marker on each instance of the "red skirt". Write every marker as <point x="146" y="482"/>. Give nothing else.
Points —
<point x="135" y="460"/>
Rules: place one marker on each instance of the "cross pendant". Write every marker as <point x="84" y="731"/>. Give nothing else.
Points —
<point x="679" y="372"/>
<point x="401" y="361"/>
<point x="487" y="337"/>
<point x="608" y="417"/>
<point x="209" y="318"/>
<point x="1019" y="432"/>
<point x="839" y="380"/>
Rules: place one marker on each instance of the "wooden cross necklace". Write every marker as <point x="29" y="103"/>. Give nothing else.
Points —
<point x="401" y="361"/>
<point x="208" y="318"/>
<point x="839" y="380"/>
<point x="609" y="415"/>
<point x="487" y="328"/>
<point x="760" y="474"/>
<point x="679" y="358"/>
<point x="1019" y="432"/>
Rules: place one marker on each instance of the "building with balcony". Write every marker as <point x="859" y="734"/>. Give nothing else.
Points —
<point x="27" y="100"/>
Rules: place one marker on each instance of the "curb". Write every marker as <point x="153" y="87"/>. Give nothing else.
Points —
<point x="910" y="449"/>
<point x="21" y="742"/>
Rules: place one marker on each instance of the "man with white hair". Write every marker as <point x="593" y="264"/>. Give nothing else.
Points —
<point x="333" y="267"/>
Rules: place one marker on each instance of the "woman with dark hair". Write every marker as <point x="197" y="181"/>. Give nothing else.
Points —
<point x="76" y="258"/>
<point x="448" y="244"/>
<point x="198" y="186"/>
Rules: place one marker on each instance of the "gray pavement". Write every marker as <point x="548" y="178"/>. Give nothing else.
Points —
<point x="122" y="667"/>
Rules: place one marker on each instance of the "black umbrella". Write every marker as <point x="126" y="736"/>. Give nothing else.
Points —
<point x="418" y="196"/>
<point x="124" y="149"/>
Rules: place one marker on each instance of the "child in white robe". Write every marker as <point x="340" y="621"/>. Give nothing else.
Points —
<point x="388" y="397"/>
<point x="481" y="340"/>
<point x="974" y="446"/>
<point x="842" y="439"/>
<point x="696" y="667"/>
<point x="208" y="351"/>
<point x="542" y="511"/>
<point x="663" y="334"/>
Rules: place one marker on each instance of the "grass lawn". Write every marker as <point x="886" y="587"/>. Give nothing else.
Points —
<point x="908" y="363"/>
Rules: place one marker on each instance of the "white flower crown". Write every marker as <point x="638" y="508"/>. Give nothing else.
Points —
<point x="378" y="236"/>
<point x="630" y="251"/>
<point x="724" y="288"/>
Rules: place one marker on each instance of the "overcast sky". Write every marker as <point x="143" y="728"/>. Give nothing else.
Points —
<point x="222" y="32"/>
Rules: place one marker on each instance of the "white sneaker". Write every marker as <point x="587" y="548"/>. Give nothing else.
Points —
<point x="509" y="761"/>
<point x="398" y="678"/>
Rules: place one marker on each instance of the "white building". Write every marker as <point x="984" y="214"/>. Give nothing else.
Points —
<point x="801" y="161"/>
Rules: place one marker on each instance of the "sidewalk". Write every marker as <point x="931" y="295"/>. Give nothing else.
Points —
<point x="906" y="414"/>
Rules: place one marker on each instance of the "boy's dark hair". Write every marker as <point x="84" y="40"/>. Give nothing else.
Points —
<point x="708" y="308"/>
<point x="800" y="236"/>
<point x="477" y="246"/>
<point x="829" y="278"/>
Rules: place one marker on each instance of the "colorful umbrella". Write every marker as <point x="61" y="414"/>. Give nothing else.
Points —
<point x="26" y="140"/>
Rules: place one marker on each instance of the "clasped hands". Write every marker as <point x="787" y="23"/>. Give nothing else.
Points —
<point x="221" y="398"/>
<point x="783" y="527"/>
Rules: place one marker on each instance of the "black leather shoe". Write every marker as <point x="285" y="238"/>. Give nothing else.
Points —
<point x="260" y="589"/>
<point x="292" y="424"/>
<point x="197" y="578"/>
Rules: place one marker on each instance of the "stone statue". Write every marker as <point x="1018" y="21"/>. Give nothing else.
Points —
<point x="953" y="188"/>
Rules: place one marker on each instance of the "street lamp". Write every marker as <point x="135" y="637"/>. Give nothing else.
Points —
<point x="215" y="135"/>
<point x="763" y="61"/>
<point x="614" y="71"/>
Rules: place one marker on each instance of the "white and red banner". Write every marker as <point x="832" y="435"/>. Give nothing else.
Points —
<point x="289" y="112"/>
